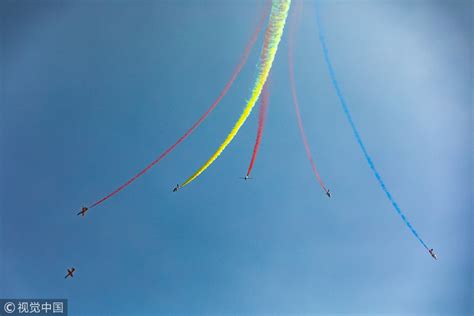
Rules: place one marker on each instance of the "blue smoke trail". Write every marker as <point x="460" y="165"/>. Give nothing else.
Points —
<point x="356" y="132"/>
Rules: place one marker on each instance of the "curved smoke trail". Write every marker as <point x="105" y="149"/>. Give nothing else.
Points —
<point x="273" y="35"/>
<point x="236" y="72"/>
<point x="291" y="72"/>
<point x="262" y="116"/>
<point x="356" y="132"/>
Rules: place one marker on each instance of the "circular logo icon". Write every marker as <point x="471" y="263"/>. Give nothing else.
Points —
<point x="9" y="307"/>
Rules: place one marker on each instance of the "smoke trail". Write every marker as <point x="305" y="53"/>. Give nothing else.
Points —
<point x="236" y="72"/>
<point x="262" y="116"/>
<point x="273" y="35"/>
<point x="291" y="72"/>
<point x="356" y="132"/>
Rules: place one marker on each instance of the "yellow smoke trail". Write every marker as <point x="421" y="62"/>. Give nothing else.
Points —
<point x="273" y="35"/>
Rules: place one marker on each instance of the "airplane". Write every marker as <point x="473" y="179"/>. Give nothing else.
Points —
<point x="83" y="211"/>
<point x="328" y="193"/>
<point x="433" y="254"/>
<point x="246" y="178"/>
<point x="176" y="188"/>
<point x="70" y="273"/>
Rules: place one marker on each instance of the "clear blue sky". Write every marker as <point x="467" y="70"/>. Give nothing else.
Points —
<point x="91" y="91"/>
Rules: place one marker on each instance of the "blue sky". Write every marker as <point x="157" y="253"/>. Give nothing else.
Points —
<point x="91" y="91"/>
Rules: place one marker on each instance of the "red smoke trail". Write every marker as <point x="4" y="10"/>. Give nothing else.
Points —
<point x="262" y="115"/>
<point x="236" y="72"/>
<point x="293" y="25"/>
